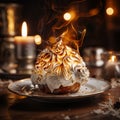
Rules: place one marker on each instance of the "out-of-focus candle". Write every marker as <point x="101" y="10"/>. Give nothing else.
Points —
<point x="109" y="69"/>
<point x="25" y="45"/>
<point x="111" y="62"/>
<point x="112" y="59"/>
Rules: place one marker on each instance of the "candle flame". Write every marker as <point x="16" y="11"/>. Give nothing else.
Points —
<point x="113" y="58"/>
<point x="24" y="29"/>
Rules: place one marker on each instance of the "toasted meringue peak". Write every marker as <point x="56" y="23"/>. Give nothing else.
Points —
<point x="59" y="65"/>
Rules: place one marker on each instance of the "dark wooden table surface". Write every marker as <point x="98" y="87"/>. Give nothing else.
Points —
<point x="14" y="107"/>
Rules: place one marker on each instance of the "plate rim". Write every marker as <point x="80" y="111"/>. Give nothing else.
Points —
<point x="53" y="97"/>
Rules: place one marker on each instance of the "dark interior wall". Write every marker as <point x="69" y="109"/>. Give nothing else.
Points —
<point x="34" y="10"/>
<point x="98" y="32"/>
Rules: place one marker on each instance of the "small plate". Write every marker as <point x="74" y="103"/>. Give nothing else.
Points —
<point x="24" y="87"/>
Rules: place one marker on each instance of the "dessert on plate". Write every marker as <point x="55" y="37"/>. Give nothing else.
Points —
<point x="59" y="69"/>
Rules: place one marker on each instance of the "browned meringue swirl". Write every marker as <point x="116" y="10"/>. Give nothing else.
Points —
<point x="62" y="62"/>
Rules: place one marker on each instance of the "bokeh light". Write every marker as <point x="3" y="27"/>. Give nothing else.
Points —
<point x="110" y="11"/>
<point x="38" y="39"/>
<point x="67" y="16"/>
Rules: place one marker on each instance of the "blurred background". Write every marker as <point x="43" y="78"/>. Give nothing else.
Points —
<point x="100" y="17"/>
<point x="46" y="18"/>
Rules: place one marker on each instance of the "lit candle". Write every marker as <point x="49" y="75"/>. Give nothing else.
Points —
<point x="25" y="46"/>
<point x="111" y="62"/>
<point x="109" y="69"/>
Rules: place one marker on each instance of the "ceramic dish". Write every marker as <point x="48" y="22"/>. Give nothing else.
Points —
<point x="24" y="87"/>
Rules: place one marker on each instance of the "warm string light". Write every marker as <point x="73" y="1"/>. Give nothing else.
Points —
<point x="70" y="15"/>
<point x="109" y="11"/>
<point x="67" y="16"/>
<point x="38" y="39"/>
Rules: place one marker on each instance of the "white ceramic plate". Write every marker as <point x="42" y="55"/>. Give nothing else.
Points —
<point x="24" y="87"/>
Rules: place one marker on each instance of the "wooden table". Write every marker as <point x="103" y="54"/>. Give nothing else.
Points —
<point x="14" y="107"/>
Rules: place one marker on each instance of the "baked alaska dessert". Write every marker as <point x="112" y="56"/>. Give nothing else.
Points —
<point x="59" y="69"/>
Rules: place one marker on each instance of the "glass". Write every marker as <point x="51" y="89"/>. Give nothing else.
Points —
<point x="93" y="56"/>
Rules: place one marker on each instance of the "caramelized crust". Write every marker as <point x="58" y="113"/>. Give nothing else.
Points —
<point x="61" y="90"/>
